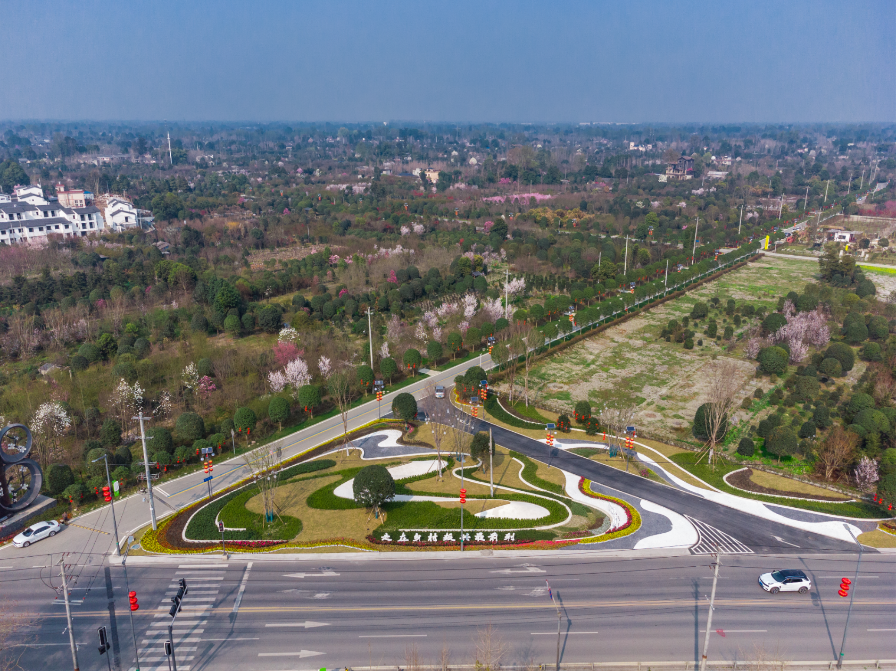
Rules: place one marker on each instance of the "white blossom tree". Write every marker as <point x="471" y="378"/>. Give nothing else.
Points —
<point x="48" y="425"/>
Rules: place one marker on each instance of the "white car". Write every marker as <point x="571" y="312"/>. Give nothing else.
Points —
<point x="785" y="580"/>
<point x="440" y="391"/>
<point x="36" y="532"/>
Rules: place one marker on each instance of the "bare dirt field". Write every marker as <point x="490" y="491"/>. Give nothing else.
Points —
<point x="631" y="364"/>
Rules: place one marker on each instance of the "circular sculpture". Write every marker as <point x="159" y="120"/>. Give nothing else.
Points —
<point x="20" y="477"/>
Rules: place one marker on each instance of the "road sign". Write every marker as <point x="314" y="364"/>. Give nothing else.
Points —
<point x="208" y="478"/>
<point x="630" y="429"/>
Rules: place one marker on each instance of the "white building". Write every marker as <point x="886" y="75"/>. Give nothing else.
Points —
<point x="31" y="219"/>
<point x="121" y="215"/>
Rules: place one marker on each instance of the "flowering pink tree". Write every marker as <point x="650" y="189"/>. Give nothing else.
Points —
<point x="297" y="374"/>
<point x="206" y="387"/>
<point x="284" y="352"/>
<point x="392" y="278"/>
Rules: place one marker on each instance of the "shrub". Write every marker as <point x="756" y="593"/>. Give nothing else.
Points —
<point x="123" y="456"/>
<point x="758" y="393"/>
<point x="767" y="425"/>
<point x="874" y="421"/>
<point x="79" y="363"/>
<point x="199" y="323"/>
<point x="248" y="322"/>
<point x="89" y="352"/>
<point x="75" y="493"/>
<point x="746" y="447"/>
<point x="245" y="419"/>
<point x="582" y="411"/>
<point x="141" y="348"/>
<point x="843" y="353"/>
<point x="204" y="367"/>
<point x="563" y="424"/>
<point x="773" y="360"/>
<point x="126" y="370"/>
<point x="859" y="402"/>
<point x="831" y="367"/>
<point x="183" y="454"/>
<point x="701" y="428"/>
<point x="232" y="324"/>
<point x="59" y="476"/>
<point x="856" y="332"/>
<point x="689" y="343"/>
<point x="160" y="439"/>
<point x="781" y="442"/>
<point x="122" y="474"/>
<point x="189" y="427"/>
<point x="866" y="288"/>
<point x="699" y="311"/>
<point x="805" y="388"/>
<point x="94" y="467"/>
<point x="404" y="407"/>
<point x="712" y="329"/>
<point x="373" y="486"/>
<point x="871" y="352"/>
<point x="110" y="433"/>
<point x="878" y="327"/>
<point x="162" y="459"/>
<point x="433" y="350"/>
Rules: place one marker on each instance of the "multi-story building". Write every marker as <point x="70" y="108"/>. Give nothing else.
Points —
<point x="121" y="215"/>
<point x="28" y="217"/>
<point x="73" y="197"/>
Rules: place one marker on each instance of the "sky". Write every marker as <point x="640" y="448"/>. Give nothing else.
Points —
<point x="464" y="61"/>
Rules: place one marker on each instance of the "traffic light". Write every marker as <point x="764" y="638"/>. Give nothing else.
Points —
<point x="107" y="494"/>
<point x="132" y="597"/>
<point x="463" y="495"/>
<point x="177" y="598"/>
<point x="104" y="641"/>
<point x="844" y="587"/>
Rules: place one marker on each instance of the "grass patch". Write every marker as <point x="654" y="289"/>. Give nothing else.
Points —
<point x="530" y="474"/>
<point x="877" y="539"/>
<point x="493" y="408"/>
<point x="796" y="487"/>
<point x="236" y="514"/>
<point x="714" y="475"/>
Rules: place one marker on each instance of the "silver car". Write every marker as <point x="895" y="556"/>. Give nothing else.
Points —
<point x="36" y="532"/>
<point x="440" y="391"/>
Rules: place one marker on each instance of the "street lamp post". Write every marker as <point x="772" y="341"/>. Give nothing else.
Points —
<point x="105" y="458"/>
<point x="712" y="599"/>
<point x="127" y="584"/>
<point x="152" y="504"/>
<point x="852" y="594"/>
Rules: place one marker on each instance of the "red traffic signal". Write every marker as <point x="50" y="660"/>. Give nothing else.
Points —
<point x="463" y="495"/>
<point x="107" y="494"/>
<point x="132" y="597"/>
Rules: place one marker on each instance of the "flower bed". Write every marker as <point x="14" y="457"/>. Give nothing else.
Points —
<point x="633" y="517"/>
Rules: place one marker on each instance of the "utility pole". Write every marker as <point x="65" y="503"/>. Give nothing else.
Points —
<point x="170" y="158"/>
<point x="625" y="271"/>
<point x="712" y="599"/>
<point x="461" y="455"/>
<point x="105" y="458"/>
<point x="852" y="594"/>
<point x="152" y="503"/>
<point x="862" y="183"/>
<point x="826" y="192"/>
<point x="741" y="220"/>
<point x="68" y="616"/>
<point x="127" y="584"/>
<point x="806" y="204"/>
<point x="696" y="230"/>
<point x="506" y="297"/>
<point x="849" y="184"/>
<point x="370" y="334"/>
<point x="666" y="280"/>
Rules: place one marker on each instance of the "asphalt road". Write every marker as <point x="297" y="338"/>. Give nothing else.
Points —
<point x="761" y="536"/>
<point x="335" y="612"/>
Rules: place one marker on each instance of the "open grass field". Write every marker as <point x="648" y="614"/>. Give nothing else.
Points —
<point x="630" y="364"/>
<point x="793" y="487"/>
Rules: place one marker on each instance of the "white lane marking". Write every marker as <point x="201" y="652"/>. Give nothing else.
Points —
<point x="393" y="636"/>
<point x="524" y="568"/>
<point x="737" y="631"/>
<point x="177" y="649"/>
<point x="232" y="639"/>
<point x="163" y="636"/>
<point x="204" y="577"/>
<point x="239" y="594"/>
<point x="164" y="659"/>
<point x="307" y="624"/>
<point x="310" y="575"/>
<point x="882" y="630"/>
<point x="554" y="633"/>
<point x="70" y="601"/>
<point x="214" y="566"/>
<point x="300" y="653"/>
<point x="781" y="540"/>
<point x="182" y="623"/>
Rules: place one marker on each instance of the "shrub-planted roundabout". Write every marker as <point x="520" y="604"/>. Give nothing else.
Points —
<point x="388" y="493"/>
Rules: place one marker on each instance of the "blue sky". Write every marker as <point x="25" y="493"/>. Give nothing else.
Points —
<point x="560" y="61"/>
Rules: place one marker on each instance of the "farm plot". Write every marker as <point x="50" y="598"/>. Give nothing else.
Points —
<point x="631" y="364"/>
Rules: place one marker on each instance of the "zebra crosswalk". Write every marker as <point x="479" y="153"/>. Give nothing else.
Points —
<point x="711" y="540"/>
<point x="204" y="586"/>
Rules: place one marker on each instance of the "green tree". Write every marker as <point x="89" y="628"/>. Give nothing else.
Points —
<point x="309" y="398"/>
<point x="773" y="323"/>
<point x="95" y="464"/>
<point x="699" y="311"/>
<point x="412" y="360"/>
<point x="233" y="325"/>
<point x="404" y="407"/>
<point x="781" y="442"/>
<point x="365" y="375"/>
<point x="479" y="448"/>
<point x="454" y="342"/>
<point x="59" y="476"/>
<point x="746" y="448"/>
<point x="433" y="351"/>
<point x="227" y="298"/>
<point x="773" y="360"/>
<point x="189" y="427"/>
<point x="278" y="410"/>
<point x="582" y="411"/>
<point x="701" y="428"/>
<point x="159" y="439"/>
<point x="244" y="418"/>
<point x="388" y="368"/>
<point x="11" y="175"/>
<point x="373" y="486"/>
<point x="843" y="353"/>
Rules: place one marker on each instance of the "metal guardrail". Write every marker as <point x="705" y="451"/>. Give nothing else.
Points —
<point x="645" y="666"/>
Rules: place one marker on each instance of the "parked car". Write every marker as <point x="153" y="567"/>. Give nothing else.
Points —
<point x="440" y="391"/>
<point x="36" y="532"/>
<point x="785" y="580"/>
